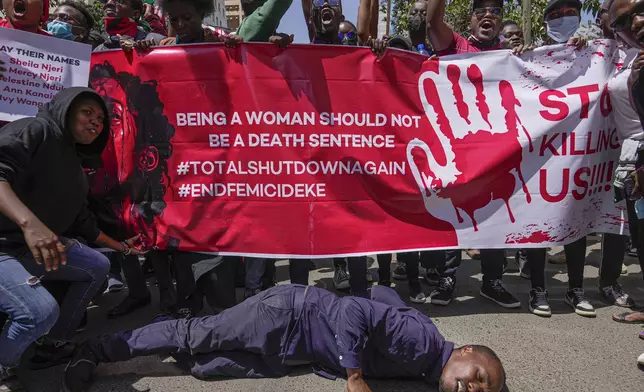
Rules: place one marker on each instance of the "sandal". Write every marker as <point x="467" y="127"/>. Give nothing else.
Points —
<point x="641" y="335"/>
<point x="621" y="318"/>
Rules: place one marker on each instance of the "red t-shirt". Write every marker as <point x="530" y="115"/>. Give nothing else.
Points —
<point x="461" y="45"/>
<point x="5" y="23"/>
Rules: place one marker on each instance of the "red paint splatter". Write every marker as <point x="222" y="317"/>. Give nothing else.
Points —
<point x="600" y="54"/>
<point x="536" y="237"/>
<point x="549" y="54"/>
<point x="619" y="66"/>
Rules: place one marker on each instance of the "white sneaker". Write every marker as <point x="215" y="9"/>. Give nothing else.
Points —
<point x="640" y="359"/>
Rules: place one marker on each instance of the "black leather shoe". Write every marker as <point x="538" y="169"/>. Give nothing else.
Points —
<point x="128" y="305"/>
<point x="48" y="354"/>
<point x="79" y="371"/>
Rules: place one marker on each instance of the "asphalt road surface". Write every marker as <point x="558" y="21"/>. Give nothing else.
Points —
<point x="563" y="353"/>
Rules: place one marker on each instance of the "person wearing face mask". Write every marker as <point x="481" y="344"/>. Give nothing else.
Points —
<point x="121" y="27"/>
<point x="71" y="21"/>
<point x="562" y="19"/>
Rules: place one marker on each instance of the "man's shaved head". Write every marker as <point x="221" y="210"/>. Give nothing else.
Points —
<point x="473" y="368"/>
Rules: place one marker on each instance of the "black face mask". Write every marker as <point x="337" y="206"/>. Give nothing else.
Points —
<point x="417" y="23"/>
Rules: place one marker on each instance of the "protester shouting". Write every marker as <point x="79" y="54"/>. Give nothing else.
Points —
<point x="71" y="21"/>
<point x="25" y="15"/>
<point x="290" y="325"/>
<point x="485" y="26"/>
<point x="120" y="18"/>
<point x="43" y="195"/>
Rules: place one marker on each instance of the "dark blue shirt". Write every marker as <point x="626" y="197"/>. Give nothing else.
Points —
<point x="384" y="340"/>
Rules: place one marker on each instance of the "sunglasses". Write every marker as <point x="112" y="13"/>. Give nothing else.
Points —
<point x="320" y="3"/>
<point x="350" y="36"/>
<point x="625" y="21"/>
<point x="481" y="12"/>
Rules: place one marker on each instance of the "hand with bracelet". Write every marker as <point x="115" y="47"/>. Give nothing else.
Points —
<point x="126" y="247"/>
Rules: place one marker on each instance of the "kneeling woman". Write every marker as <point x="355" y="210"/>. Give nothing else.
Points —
<point x="43" y="196"/>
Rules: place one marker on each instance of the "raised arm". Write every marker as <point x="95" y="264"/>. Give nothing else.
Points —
<point x="439" y="33"/>
<point x="368" y="13"/>
<point x="307" y="5"/>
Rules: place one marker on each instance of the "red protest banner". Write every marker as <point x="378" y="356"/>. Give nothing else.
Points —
<point x="317" y="151"/>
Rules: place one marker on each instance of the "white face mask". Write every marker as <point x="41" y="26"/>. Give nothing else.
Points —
<point x="562" y="29"/>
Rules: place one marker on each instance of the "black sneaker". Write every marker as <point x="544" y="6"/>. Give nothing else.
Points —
<point x="524" y="267"/>
<point x="341" y="279"/>
<point x="78" y="373"/>
<point x="432" y="277"/>
<point x="417" y="298"/>
<point x="9" y="381"/>
<point x="49" y="354"/>
<point x="577" y="300"/>
<point x="442" y="295"/>
<point x="494" y="291"/>
<point x="539" y="304"/>
<point x="615" y="295"/>
<point x="400" y="273"/>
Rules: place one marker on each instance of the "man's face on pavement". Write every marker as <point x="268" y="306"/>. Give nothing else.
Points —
<point x="513" y="35"/>
<point x="485" y="22"/>
<point x="327" y="15"/>
<point x="469" y="370"/>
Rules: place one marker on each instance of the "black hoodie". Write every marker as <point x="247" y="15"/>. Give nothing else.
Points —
<point x="42" y="163"/>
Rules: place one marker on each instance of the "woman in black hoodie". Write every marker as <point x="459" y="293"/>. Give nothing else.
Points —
<point x="43" y="195"/>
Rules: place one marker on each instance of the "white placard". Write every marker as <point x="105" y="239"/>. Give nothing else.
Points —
<point x="37" y="67"/>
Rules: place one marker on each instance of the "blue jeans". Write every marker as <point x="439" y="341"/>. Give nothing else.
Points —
<point x="32" y="310"/>
<point x="86" y="270"/>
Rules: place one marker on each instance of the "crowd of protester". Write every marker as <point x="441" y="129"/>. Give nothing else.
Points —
<point x="60" y="249"/>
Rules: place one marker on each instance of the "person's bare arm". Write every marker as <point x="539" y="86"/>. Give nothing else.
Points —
<point x="306" y="10"/>
<point x="43" y="243"/>
<point x="439" y="33"/>
<point x="368" y="20"/>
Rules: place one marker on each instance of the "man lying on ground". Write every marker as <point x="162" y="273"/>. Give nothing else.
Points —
<point x="290" y="325"/>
